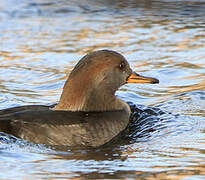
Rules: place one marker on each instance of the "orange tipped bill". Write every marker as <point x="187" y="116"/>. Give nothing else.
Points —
<point x="136" y="78"/>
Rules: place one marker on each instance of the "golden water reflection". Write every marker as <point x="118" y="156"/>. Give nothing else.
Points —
<point x="41" y="41"/>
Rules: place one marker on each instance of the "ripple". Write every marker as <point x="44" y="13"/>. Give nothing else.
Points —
<point x="41" y="41"/>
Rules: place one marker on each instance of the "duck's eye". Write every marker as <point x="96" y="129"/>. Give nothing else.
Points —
<point x="122" y="65"/>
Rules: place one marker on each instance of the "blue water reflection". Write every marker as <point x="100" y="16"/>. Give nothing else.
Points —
<point x="41" y="41"/>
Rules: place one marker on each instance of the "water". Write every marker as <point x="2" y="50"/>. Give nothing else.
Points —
<point x="40" y="42"/>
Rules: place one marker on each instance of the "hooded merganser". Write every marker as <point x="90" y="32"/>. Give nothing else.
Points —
<point x="88" y="113"/>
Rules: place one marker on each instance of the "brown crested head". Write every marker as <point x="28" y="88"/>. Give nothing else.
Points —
<point x="102" y="68"/>
<point x="92" y="83"/>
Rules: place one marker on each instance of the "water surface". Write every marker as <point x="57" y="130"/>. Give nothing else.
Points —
<point x="41" y="41"/>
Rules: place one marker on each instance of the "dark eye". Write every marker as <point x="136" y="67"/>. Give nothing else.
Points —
<point x="122" y="65"/>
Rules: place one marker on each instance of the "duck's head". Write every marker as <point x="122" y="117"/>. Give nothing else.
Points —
<point x="92" y="83"/>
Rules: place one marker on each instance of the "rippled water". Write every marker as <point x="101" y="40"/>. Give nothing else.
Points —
<point x="40" y="42"/>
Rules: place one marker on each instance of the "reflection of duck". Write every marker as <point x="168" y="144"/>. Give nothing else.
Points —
<point x="88" y="113"/>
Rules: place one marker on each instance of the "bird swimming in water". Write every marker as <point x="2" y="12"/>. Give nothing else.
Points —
<point x="88" y="113"/>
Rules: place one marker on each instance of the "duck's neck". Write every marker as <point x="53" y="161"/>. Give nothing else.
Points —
<point x="79" y="97"/>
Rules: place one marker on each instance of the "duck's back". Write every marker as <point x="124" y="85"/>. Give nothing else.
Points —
<point x="40" y="124"/>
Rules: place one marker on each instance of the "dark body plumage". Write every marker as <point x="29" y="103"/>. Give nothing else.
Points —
<point x="40" y="124"/>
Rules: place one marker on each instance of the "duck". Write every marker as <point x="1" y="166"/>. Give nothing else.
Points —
<point x="88" y="114"/>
